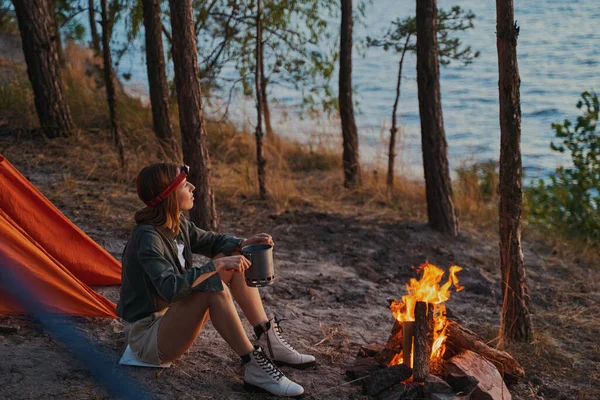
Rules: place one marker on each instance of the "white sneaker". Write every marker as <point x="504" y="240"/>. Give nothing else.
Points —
<point x="277" y="349"/>
<point x="261" y="375"/>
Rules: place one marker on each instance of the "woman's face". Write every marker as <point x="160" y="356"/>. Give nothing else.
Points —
<point x="185" y="195"/>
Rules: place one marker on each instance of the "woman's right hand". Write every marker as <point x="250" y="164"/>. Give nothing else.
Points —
<point x="232" y="263"/>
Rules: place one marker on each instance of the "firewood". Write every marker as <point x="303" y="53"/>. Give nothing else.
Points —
<point x="369" y="350"/>
<point x="386" y="378"/>
<point x="393" y="345"/>
<point x="491" y="386"/>
<point x="462" y="384"/>
<point x="460" y="338"/>
<point x="435" y="384"/>
<point x="423" y="331"/>
<point x="408" y="335"/>
<point x="363" y="367"/>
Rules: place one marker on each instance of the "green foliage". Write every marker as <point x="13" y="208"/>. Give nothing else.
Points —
<point x="294" y="34"/>
<point x="570" y="202"/>
<point x="70" y="27"/>
<point x="402" y="36"/>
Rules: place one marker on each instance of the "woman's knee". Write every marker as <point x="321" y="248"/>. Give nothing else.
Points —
<point x="222" y="295"/>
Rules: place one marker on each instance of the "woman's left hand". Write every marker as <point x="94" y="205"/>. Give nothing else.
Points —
<point x="261" y="238"/>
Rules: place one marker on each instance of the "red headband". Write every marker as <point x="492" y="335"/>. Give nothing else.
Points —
<point x="185" y="170"/>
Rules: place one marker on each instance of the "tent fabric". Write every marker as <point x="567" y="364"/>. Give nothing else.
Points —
<point x="55" y="259"/>
<point x="46" y="278"/>
<point x="43" y="222"/>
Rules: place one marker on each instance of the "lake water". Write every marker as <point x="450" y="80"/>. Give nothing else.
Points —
<point x="558" y="55"/>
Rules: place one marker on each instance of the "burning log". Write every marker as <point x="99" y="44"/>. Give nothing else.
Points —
<point x="408" y="336"/>
<point x="393" y="345"/>
<point x="460" y="339"/>
<point x="423" y="333"/>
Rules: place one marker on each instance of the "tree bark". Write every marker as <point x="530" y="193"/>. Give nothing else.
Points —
<point x="93" y="29"/>
<point x="349" y="131"/>
<point x="440" y="203"/>
<point x="191" y="115"/>
<point x="38" y="36"/>
<point x="258" y="77"/>
<point x="515" y="324"/>
<point x="109" y="81"/>
<point x="423" y="331"/>
<point x="263" y="90"/>
<point x="157" y="78"/>
<point x="266" y="109"/>
<point x="394" y="129"/>
<point x="58" y="37"/>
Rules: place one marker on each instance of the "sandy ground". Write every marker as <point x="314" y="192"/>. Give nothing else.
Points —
<point x="335" y="272"/>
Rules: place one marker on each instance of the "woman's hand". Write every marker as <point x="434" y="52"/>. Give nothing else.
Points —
<point x="232" y="263"/>
<point x="261" y="238"/>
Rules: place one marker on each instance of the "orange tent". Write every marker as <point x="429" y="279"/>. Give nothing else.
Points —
<point x="54" y="257"/>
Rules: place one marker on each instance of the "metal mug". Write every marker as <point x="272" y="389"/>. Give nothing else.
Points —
<point x="261" y="272"/>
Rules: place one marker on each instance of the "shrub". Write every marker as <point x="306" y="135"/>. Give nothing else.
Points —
<point x="570" y="202"/>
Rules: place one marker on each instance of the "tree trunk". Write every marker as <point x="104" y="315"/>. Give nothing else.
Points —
<point x="191" y="115"/>
<point x="58" y="37"/>
<point x="440" y="204"/>
<point x="265" y="102"/>
<point x="394" y="129"/>
<point x="93" y="30"/>
<point x="157" y="78"/>
<point x="38" y="36"/>
<point x="349" y="131"/>
<point x="258" y="77"/>
<point x="109" y="82"/>
<point x="515" y="323"/>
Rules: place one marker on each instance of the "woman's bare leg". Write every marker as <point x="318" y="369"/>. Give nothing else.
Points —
<point x="185" y="318"/>
<point x="247" y="297"/>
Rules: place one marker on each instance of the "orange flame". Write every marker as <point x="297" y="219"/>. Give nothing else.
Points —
<point x="427" y="289"/>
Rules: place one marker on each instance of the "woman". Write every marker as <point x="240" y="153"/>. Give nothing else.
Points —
<point x="166" y="301"/>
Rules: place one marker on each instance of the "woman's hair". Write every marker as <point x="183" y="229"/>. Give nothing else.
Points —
<point x="150" y="182"/>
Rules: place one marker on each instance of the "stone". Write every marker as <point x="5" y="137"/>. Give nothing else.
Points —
<point x="388" y="377"/>
<point x="393" y="393"/>
<point x="462" y="384"/>
<point x="435" y="384"/>
<point x="413" y="391"/>
<point x="491" y="386"/>
<point x="445" y="396"/>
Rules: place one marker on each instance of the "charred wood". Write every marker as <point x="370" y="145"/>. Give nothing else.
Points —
<point x="363" y="367"/>
<point x="385" y="379"/>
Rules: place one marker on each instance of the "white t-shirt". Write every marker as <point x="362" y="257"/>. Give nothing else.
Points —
<point x="180" y="253"/>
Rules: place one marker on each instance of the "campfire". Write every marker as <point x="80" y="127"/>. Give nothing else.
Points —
<point x="430" y="356"/>
<point x="426" y="290"/>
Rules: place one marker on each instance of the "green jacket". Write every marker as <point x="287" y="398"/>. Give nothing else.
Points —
<point x="152" y="277"/>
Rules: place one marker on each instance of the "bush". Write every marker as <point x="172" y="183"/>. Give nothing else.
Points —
<point x="570" y="202"/>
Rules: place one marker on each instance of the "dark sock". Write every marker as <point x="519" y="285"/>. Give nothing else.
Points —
<point x="245" y="358"/>
<point x="259" y="329"/>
